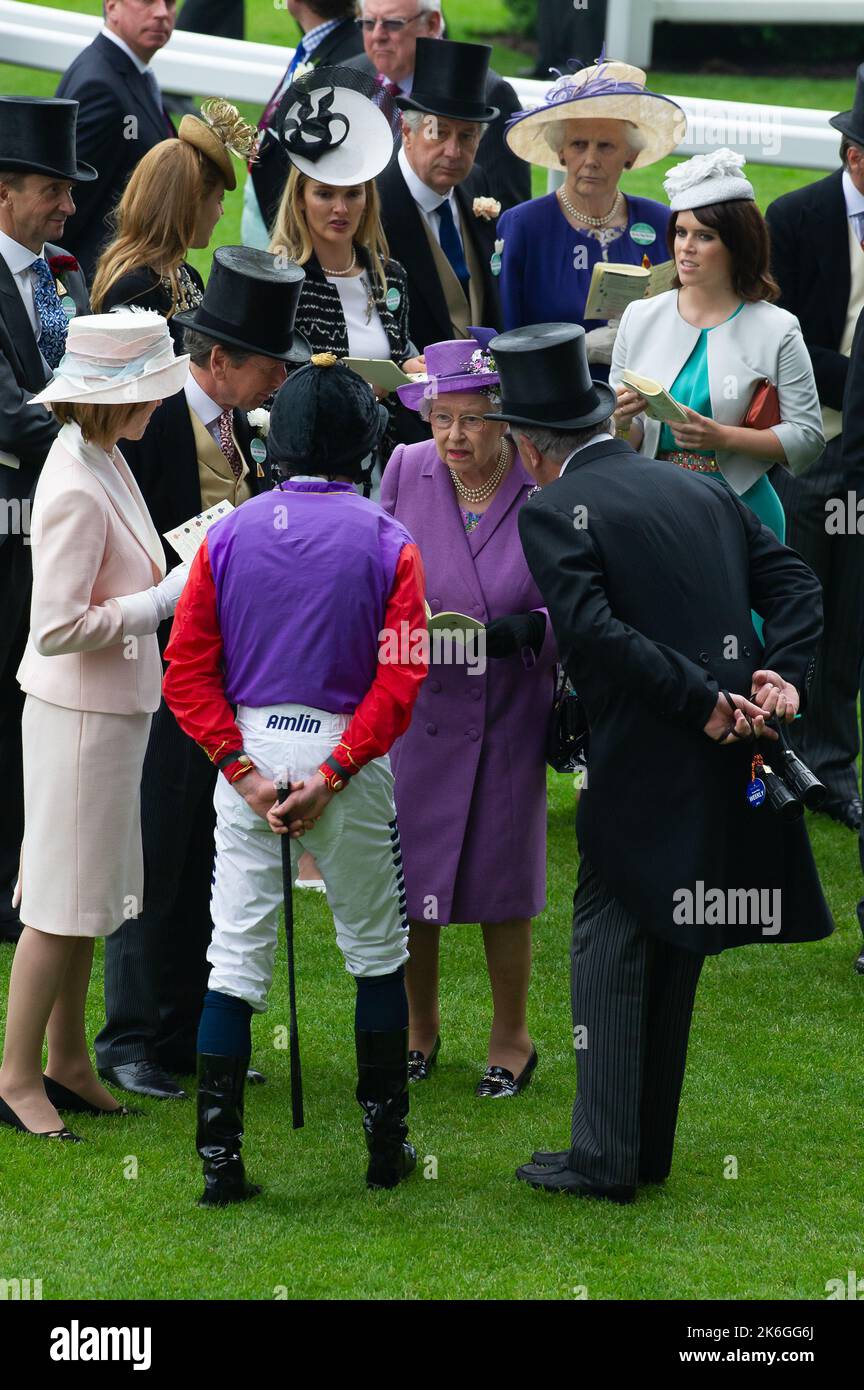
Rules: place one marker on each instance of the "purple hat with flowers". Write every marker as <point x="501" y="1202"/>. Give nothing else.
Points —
<point x="460" y="364"/>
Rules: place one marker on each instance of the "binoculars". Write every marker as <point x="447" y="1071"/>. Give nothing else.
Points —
<point x="790" y="786"/>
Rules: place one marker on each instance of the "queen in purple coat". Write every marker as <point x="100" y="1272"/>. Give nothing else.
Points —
<point x="470" y="771"/>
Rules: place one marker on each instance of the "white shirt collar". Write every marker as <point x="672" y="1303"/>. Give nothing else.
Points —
<point x="142" y="67"/>
<point x="16" y="256"/>
<point x="854" y="199"/>
<point x="207" y="410"/>
<point x="597" y="438"/>
<point x="423" y="195"/>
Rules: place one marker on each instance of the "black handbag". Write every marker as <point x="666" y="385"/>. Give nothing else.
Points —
<point x="567" y="738"/>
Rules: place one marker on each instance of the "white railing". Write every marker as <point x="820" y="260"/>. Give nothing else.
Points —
<point x="630" y="23"/>
<point x="39" y="37"/>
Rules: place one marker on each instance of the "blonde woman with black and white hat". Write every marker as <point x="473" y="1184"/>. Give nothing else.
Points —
<point x="92" y="676"/>
<point x="338" y="128"/>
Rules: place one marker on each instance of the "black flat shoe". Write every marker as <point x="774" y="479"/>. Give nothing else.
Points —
<point x="420" y="1065"/>
<point x="499" y="1082"/>
<point x="859" y="964"/>
<point x="63" y="1099"/>
<point x="144" y="1079"/>
<point x="563" y="1179"/>
<point x="8" y="1117"/>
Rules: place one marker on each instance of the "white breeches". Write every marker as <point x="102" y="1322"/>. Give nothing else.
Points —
<point x="355" y="844"/>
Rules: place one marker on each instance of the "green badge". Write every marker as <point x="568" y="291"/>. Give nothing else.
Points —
<point x="68" y="305"/>
<point x="643" y="234"/>
<point x="495" y="264"/>
<point x="393" y="299"/>
<point x="258" y="449"/>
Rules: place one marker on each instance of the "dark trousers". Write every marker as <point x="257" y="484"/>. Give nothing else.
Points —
<point x="826" y="737"/>
<point x="16" y="579"/>
<point x="155" y="966"/>
<point x="632" y="1000"/>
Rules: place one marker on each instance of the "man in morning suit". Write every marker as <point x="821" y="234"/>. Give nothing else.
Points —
<point x="198" y="451"/>
<point x="330" y="36"/>
<point x="428" y="191"/>
<point x="817" y="255"/>
<point x="647" y="572"/>
<point x="121" y="116"/>
<point x="391" y="30"/>
<point x="852" y="468"/>
<point x="41" y="288"/>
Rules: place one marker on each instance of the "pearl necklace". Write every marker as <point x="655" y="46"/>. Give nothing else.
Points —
<point x="480" y="494"/>
<point x="343" y="272"/>
<point x="583" y="216"/>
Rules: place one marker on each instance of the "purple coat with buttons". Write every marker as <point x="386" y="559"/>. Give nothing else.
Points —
<point x="470" y="771"/>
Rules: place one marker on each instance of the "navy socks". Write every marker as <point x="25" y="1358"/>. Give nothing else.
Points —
<point x="225" y="1029"/>
<point x="382" y="1004"/>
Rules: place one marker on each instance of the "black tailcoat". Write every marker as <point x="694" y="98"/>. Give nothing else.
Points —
<point x="810" y="260"/>
<point x="650" y="591"/>
<point x="270" y="171"/>
<point x="26" y="434"/>
<point x="165" y="464"/>
<point x="429" y="318"/>
<point x="118" y="122"/>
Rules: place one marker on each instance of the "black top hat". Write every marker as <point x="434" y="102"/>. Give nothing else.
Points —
<point x="546" y="381"/>
<point x="37" y="136"/>
<point x="250" y="302"/>
<point x="450" y="80"/>
<point x="325" y="420"/>
<point x="851" y="123"/>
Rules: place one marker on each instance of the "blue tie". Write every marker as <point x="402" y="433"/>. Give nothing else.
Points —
<point x="451" y="245"/>
<point x="299" y="57"/>
<point x="53" y="324"/>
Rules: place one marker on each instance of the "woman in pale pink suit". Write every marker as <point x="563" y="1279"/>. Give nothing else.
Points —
<point x="92" y="674"/>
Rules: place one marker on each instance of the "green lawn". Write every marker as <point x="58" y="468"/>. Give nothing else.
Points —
<point x="771" y="1082"/>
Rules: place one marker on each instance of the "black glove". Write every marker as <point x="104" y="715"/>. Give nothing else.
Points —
<point x="507" y="636"/>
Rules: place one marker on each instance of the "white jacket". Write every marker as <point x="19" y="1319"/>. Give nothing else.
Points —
<point x="761" y="341"/>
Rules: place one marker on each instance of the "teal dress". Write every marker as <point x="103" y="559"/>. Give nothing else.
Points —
<point x="692" y="387"/>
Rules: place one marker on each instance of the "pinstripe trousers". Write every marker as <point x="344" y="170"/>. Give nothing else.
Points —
<point x="632" y="1001"/>
<point x="826" y="737"/>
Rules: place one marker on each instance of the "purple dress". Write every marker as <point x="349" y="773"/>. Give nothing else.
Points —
<point x="470" y="771"/>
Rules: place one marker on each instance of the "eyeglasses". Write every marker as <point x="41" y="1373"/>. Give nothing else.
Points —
<point x="471" y="424"/>
<point x="390" y="26"/>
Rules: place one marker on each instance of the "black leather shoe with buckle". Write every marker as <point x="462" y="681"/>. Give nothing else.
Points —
<point x="498" y="1082"/>
<point x="420" y="1063"/>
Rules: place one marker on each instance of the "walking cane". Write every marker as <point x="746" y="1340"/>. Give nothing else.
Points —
<point x="283" y="789"/>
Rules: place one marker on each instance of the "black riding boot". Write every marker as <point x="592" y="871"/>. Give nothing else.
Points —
<point x="220" y="1129"/>
<point x="382" y="1090"/>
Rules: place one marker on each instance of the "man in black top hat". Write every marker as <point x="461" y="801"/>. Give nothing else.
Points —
<point x="391" y="30"/>
<point x="817" y="255"/>
<point x="122" y="113"/>
<point x="41" y="288"/>
<point x="199" y="450"/>
<point x="627" y="554"/>
<point x="434" y="225"/>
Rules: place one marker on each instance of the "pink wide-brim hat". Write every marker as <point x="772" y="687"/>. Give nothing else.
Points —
<point x="449" y="367"/>
<point x="116" y="359"/>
